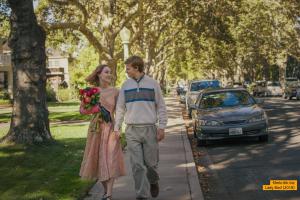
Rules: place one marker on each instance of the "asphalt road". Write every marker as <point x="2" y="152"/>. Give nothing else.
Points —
<point x="237" y="169"/>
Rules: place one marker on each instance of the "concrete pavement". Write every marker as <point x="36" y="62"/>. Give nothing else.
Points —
<point x="178" y="175"/>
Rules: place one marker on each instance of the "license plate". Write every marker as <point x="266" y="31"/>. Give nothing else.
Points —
<point x="235" y="131"/>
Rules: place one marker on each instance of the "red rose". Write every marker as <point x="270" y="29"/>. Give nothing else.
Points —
<point x="94" y="90"/>
<point x="87" y="100"/>
<point x="81" y="91"/>
<point x="89" y="93"/>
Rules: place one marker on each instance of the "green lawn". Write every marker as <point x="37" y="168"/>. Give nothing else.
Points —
<point x="57" y="112"/>
<point x="46" y="171"/>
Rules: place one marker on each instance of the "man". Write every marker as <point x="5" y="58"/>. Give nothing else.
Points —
<point x="142" y="103"/>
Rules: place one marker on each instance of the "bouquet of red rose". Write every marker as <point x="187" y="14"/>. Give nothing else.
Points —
<point x="89" y="97"/>
<point x="90" y="103"/>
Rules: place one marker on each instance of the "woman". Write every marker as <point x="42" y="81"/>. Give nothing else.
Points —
<point x="103" y="156"/>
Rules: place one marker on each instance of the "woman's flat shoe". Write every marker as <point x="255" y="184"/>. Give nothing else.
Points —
<point x="107" y="198"/>
<point x="104" y="196"/>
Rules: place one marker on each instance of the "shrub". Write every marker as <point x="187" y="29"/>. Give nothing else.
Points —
<point x="4" y="95"/>
<point x="64" y="94"/>
<point x="51" y="95"/>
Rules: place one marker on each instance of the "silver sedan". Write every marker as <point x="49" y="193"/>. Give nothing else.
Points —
<point x="228" y="113"/>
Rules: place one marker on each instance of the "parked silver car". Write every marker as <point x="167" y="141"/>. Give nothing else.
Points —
<point x="228" y="113"/>
<point x="195" y="87"/>
<point x="274" y="88"/>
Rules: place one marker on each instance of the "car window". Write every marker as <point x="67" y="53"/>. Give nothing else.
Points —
<point x="292" y="84"/>
<point x="225" y="99"/>
<point x="274" y="84"/>
<point x="196" y="86"/>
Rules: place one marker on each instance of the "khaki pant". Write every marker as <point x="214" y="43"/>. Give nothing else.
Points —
<point x="142" y="147"/>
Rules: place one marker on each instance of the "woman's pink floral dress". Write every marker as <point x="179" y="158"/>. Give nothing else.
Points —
<point x="103" y="156"/>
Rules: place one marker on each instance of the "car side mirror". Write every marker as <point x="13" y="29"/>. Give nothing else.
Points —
<point x="259" y="101"/>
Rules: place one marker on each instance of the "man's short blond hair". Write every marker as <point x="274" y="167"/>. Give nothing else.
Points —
<point x="136" y="62"/>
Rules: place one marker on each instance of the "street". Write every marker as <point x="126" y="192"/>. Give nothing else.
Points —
<point x="237" y="169"/>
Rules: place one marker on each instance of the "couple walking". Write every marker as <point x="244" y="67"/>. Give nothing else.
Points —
<point x="141" y="102"/>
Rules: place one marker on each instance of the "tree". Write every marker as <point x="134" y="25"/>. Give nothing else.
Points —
<point x="99" y="21"/>
<point x="4" y="22"/>
<point x="29" y="122"/>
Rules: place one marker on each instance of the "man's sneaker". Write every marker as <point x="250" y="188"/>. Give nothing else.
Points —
<point x="154" y="189"/>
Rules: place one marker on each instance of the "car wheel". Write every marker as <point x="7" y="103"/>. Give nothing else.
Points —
<point x="195" y="131"/>
<point x="298" y="97"/>
<point x="190" y="113"/>
<point x="201" y="142"/>
<point x="283" y="96"/>
<point x="263" y="138"/>
<point x="290" y="97"/>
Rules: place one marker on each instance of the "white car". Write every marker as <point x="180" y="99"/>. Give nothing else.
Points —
<point x="195" y="87"/>
<point x="274" y="88"/>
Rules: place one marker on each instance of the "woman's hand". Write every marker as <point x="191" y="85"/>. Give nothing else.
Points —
<point x="117" y="134"/>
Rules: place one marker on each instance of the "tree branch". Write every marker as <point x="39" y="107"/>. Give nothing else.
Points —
<point x="79" y="27"/>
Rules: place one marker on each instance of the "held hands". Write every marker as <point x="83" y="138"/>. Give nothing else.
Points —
<point x="160" y="134"/>
<point x="117" y="134"/>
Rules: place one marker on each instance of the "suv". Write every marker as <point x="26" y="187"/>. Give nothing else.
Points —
<point x="195" y="87"/>
<point x="291" y="88"/>
<point x="259" y="88"/>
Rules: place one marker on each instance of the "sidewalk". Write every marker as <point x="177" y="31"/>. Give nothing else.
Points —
<point x="178" y="175"/>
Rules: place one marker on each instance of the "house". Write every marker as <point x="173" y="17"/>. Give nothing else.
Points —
<point x="57" y="68"/>
<point x="6" y="77"/>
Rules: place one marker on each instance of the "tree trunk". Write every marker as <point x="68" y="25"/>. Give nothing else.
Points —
<point x="112" y="63"/>
<point x="266" y="69"/>
<point x="281" y="62"/>
<point x="29" y="121"/>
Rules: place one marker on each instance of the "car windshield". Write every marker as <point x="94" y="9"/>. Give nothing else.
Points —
<point x="226" y="99"/>
<point x="292" y="83"/>
<point x="196" y="86"/>
<point x="274" y="84"/>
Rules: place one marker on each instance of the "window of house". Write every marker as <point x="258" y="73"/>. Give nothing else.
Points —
<point x="56" y="63"/>
<point x="3" y="80"/>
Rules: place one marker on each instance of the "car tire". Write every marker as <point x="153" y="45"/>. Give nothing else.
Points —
<point x="298" y="97"/>
<point x="283" y="96"/>
<point x="190" y="113"/>
<point x="201" y="143"/>
<point x="195" y="131"/>
<point x="263" y="138"/>
<point x="290" y="97"/>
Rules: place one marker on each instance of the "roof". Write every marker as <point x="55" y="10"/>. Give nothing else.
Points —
<point x="203" y="80"/>
<point x="213" y="90"/>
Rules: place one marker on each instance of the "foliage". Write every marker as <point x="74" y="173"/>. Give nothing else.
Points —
<point x="64" y="94"/>
<point x="4" y="22"/>
<point x="4" y="95"/>
<point x="82" y="66"/>
<point x="51" y="94"/>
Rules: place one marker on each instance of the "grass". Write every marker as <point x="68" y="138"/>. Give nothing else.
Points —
<point x="4" y="102"/>
<point x="68" y="111"/>
<point x="44" y="171"/>
<point x="47" y="172"/>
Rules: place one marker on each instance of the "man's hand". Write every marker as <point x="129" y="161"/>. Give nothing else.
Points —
<point x="117" y="134"/>
<point x="160" y="134"/>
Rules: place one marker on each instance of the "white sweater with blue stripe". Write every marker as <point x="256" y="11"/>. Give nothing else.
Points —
<point x="141" y="102"/>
